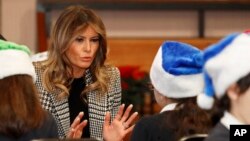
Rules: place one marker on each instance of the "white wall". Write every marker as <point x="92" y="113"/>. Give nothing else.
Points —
<point x="18" y="22"/>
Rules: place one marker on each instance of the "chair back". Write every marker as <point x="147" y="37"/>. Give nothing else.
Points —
<point x="194" y="137"/>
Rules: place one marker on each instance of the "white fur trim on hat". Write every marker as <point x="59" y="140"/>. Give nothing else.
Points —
<point x="230" y="65"/>
<point x="14" y="61"/>
<point x="204" y="101"/>
<point x="175" y="86"/>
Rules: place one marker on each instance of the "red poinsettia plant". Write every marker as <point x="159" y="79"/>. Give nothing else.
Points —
<point x="134" y="83"/>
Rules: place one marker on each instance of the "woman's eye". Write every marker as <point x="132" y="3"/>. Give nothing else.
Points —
<point x="95" y="40"/>
<point x="79" y="39"/>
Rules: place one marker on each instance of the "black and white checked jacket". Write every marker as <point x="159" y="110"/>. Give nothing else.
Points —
<point x="99" y="104"/>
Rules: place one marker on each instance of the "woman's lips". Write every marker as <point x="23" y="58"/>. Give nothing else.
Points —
<point x="86" y="59"/>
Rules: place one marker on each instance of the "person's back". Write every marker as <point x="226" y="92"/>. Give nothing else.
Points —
<point x="172" y="125"/>
<point x="153" y="128"/>
<point x="39" y="133"/>
<point x="21" y="115"/>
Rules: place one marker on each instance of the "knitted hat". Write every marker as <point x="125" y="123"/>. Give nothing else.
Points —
<point x="15" y="59"/>
<point x="225" y="63"/>
<point x="176" y="70"/>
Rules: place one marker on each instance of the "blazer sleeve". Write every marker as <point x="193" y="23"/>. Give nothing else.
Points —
<point x="117" y="92"/>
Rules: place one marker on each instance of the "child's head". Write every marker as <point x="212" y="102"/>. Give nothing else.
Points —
<point x="14" y="60"/>
<point x="176" y="71"/>
<point x="225" y="64"/>
<point x="19" y="97"/>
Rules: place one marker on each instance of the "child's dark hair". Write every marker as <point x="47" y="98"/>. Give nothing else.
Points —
<point x="224" y="103"/>
<point x="188" y="118"/>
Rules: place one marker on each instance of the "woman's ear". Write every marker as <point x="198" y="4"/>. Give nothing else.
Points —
<point x="233" y="92"/>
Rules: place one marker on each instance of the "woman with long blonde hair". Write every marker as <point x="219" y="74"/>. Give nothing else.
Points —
<point x="75" y="79"/>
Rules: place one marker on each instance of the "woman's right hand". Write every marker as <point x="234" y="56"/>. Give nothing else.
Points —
<point x="121" y="126"/>
<point x="76" y="128"/>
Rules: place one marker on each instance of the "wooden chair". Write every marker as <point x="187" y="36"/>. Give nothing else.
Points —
<point x="194" y="137"/>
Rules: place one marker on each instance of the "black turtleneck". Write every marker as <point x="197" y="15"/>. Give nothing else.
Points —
<point x="77" y="104"/>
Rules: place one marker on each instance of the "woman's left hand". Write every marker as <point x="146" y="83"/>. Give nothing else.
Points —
<point x="120" y="126"/>
<point x="76" y="127"/>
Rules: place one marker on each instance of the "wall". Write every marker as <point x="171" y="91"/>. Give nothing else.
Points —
<point x="18" y="22"/>
<point x="220" y="23"/>
<point x="169" y="23"/>
<point x="135" y="36"/>
<point x="141" y="51"/>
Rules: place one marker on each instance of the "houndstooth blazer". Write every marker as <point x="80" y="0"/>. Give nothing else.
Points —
<point x="99" y="104"/>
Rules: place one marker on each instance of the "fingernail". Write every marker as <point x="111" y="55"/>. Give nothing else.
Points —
<point x="131" y="105"/>
<point x="81" y="113"/>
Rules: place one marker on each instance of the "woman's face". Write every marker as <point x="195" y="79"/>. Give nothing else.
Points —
<point x="82" y="51"/>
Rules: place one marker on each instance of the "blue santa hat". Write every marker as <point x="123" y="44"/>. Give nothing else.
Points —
<point x="225" y="63"/>
<point x="176" y="71"/>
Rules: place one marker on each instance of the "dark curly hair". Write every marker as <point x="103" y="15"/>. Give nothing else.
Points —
<point x="188" y="118"/>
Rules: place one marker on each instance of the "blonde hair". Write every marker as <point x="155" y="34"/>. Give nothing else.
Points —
<point x="58" y="72"/>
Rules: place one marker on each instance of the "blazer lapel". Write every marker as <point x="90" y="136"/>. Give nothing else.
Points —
<point x="62" y="112"/>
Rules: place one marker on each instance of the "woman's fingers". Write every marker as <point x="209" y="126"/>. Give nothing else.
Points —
<point x="107" y="119"/>
<point x="132" y="118"/>
<point x="126" y="113"/>
<point x="81" y="125"/>
<point x="120" y="127"/>
<point x="71" y="133"/>
<point x="77" y="120"/>
<point x="79" y="129"/>
<point x="120" y="112"/>
<point x="76" y="125"/>
<point x="130" y="129"/>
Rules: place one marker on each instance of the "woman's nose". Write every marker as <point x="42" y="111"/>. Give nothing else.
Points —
<point x="87" y="47"/>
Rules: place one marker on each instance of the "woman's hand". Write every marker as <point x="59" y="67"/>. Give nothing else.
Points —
<point x="75" y="131"/>
<point x="120" y="126"/>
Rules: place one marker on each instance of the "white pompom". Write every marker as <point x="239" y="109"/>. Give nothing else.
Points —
<point x="204" y="101"/>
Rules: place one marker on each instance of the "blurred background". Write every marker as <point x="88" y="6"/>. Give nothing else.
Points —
<point x="135" y="29"/>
